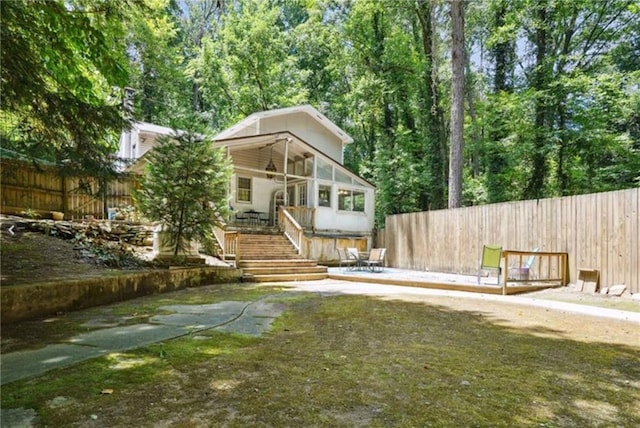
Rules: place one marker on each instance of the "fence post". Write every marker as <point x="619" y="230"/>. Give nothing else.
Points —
<point x="64" y="194"/>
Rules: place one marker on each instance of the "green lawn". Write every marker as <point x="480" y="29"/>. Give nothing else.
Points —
<point x="346" y="361"/>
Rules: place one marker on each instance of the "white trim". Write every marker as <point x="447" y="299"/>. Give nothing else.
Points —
<point x="237" y="199"/>
<point x="155" y="129"/>
<point x="253" y="120"/>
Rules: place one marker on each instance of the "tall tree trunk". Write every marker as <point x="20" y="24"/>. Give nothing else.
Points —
<point x="495" y="161"/>
<point x="476" y="135"/>
<point x="434" y="195"/>
<point x="560" y="105"/>
<point x="535" y="187"/>
<point x="457" y="104"/>
<point x="502" y="52"/>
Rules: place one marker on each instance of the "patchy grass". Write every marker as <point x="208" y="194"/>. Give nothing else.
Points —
<point x="34" y="333"/>
<point x="348" y="361"/>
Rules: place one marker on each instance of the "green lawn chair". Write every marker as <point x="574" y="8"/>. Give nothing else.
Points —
<point x="491" y="258"/>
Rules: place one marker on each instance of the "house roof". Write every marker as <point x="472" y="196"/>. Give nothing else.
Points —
<point x="153" y="129"/>
<point x="251" y="120"/>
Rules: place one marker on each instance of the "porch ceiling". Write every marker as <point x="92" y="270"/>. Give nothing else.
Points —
<point x="297" y="148"/>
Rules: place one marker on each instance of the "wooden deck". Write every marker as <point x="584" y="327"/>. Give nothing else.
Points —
<point x="436" y="280"/>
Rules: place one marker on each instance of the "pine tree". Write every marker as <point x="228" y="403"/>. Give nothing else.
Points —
<point x="185" y="189"/>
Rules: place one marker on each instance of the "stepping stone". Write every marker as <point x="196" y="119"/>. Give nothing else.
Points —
<point x="128" y="337"/>
<point x="23" y="364"/>
<point x="617" y="290"/>
<point x="192" y="322"/>
<point x="222" y="307"/>
<point x="23" y="418"/>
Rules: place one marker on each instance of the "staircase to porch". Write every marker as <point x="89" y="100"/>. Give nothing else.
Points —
<point x="268" y="257"/>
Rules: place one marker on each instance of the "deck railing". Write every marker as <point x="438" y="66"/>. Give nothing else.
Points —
<point x="291" y="228"/>
<point x="228" y="242"/>
<point x="547" y="267"/>
<point x="304" y="216"/>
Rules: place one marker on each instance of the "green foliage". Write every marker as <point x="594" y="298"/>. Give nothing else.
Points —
<point x="60" y="63"/>
<point x="564" y="122"/>
<point x="185" y="188"/>
<point x="248" y="67"/>
<point x="157" y="59"/>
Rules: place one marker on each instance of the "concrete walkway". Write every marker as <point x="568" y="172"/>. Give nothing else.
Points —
<point x="251" y="318"/>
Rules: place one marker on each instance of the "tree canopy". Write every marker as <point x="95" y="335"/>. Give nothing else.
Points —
<point x="551" y="88"/>
<point x="64" y="67"/>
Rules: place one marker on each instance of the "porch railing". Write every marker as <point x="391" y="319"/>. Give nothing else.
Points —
<point x="228" y="242"/>
<point x="305" y="216"/>
<point x="291" y="228"/>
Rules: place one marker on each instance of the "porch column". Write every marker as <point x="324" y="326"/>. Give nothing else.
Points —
<point x="286" y="156"/>
<point x="229" y="194"/>
<point x="314" y="175"/>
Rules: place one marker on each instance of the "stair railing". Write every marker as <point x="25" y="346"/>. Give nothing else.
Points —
<point x="305" y="216"/>
<point x="291" y="228"/>
<point x="228" y="242"/>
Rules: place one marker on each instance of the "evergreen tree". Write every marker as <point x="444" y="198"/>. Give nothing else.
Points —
<point x="185" y="188"/>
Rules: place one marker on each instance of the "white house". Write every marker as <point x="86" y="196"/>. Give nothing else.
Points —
<point x="291" y="158"/>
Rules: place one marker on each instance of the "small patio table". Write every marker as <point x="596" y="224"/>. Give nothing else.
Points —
<point x="254" y="216"/>
<point x="358" y="257"/>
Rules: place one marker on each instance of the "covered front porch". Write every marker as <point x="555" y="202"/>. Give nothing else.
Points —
<point x="276" y="170"/>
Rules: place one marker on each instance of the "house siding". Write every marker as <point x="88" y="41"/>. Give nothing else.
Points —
<point x="305" y="127"/>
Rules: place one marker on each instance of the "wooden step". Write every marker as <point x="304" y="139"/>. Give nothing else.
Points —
<point x="274" y="244"/>
<point x="267" y="250"/>
<point x="284" y="270"/>
<point x="270" y="258"/>
<point x="276" y="263"/>
<point x="263" y="238"/>
<point x="286" y="277"/>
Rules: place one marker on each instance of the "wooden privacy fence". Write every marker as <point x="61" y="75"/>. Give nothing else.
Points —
<point x="42" y="189"/>
<point x="598" y="231"/>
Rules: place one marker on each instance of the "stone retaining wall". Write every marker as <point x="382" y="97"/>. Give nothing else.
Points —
<point x="134" y="234"/>
<point x="22" y="302"/>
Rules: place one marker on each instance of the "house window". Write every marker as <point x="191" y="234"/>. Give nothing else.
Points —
<point x="291" y="196"/>
<point x="302" y="195"/>
<point x="342" y="177"/>
<point x="350" y="200"/>
<point x="358" y="201"/>
<point x="324" y="196"/>
<point x="243" y="190"/>
<point x="325" y="170"/>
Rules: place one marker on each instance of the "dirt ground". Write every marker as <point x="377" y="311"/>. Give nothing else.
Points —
<point x="29" y="257"/>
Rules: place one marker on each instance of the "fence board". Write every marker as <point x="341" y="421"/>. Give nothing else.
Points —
<point x="599" y="231"/>
<point x="25" y="187"/>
